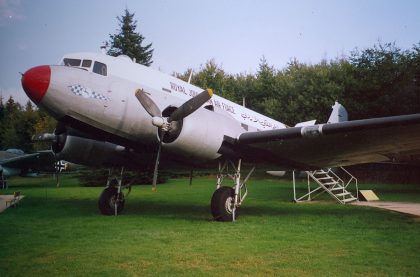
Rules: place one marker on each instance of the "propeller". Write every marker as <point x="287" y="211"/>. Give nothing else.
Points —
<point x="164" y="123"/>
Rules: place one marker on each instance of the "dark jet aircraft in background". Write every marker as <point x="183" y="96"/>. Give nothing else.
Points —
<point x="111" y="109"/>
<point x="14" y="162"/>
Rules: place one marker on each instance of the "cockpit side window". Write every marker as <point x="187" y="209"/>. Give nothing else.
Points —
<point x="86" y="63"/>
<point x="100" y="68"/>
<point x="72" y="62"/>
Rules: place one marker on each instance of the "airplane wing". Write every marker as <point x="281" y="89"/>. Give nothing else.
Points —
<point x="43" y="160"/>
<point x="334" y="144"/>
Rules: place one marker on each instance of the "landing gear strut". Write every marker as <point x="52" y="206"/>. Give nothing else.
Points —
<point x="112" y="200"/>
<point x="226" y="200"/>
<point x="3" y="180"/>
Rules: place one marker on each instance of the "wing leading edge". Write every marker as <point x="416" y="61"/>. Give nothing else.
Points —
<point x="334" y="144"/>
<point x="40" y="160"/>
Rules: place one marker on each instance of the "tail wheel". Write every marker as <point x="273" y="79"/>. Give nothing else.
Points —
<point x="108" y="199"/>
<point x="222" y="204"/>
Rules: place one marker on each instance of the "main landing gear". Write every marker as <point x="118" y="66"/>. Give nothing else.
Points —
<point x="112" y="199"/>
<point x="226" y="200"/>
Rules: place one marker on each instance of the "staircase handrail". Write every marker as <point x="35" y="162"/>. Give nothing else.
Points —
<point x="330" y="171"/>
<point x="352" y="178"/>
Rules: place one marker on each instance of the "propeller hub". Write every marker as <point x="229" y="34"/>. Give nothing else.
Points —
<point x="161" y="122"/>
<point x="158" y="121"/>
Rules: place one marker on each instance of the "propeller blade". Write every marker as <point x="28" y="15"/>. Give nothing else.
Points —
<point x="155" y="172"/>
<point x="148" y="104"/>
<point x="191" y="105"/>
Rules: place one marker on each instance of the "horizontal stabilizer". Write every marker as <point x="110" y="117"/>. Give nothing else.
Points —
<point x="306" y="123"/>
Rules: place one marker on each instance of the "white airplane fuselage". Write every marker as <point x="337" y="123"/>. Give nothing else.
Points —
<point x="103" y="99"/>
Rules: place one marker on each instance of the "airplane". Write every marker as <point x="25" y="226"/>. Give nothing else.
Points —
<point x="114" y="105"/>
<point x="14" y="162"/>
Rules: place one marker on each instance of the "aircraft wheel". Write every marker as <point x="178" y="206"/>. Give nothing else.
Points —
<point x="222" y="204"/>
<point x="108" y="199"/>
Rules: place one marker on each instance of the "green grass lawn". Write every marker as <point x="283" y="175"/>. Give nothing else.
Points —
<point x="59" y="232"/>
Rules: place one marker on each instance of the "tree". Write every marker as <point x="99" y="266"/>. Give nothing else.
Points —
<point x="211" y="75"/>
<point x="18" y="124"/>
<point x="129" y="42"/>
<point x="10" y="121"/>
<point x="385" y="82"/>
<point x="265" y="88"/>
<point x="44" y="124"/>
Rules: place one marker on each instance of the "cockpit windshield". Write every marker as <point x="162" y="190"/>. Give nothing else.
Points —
<point x="86" y="63"/>
<point x="98" y="67"/>
<point x="72" y="62"/>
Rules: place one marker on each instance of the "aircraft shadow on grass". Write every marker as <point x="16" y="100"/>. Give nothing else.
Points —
<point x="155" y="208"/>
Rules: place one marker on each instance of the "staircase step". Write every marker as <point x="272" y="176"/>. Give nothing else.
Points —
<point x="343" y="194"/>
<point x="326" y="178"/>
<point x="321" y="173"/>
<point x="330" y="183"/>
<point x="337" y="188"/>
<point x="349" y="199"/>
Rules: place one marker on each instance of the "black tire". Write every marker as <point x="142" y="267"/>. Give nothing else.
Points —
<point x="106" y="202"/>
<point x="221" y="204"/>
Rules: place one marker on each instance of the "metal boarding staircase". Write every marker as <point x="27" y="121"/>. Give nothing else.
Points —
<point x="328" y="181"/>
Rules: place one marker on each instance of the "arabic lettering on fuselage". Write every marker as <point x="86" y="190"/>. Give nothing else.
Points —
<point x="262" y="122"/>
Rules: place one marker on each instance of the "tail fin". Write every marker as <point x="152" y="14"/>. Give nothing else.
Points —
<point x="338" y="114"/>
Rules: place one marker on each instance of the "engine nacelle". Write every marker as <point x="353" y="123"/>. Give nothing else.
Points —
<point x="202" y="135"/>
<point x="85" y="151"/>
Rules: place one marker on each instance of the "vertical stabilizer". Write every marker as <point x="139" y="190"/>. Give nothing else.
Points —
<point x="338" y="114"/>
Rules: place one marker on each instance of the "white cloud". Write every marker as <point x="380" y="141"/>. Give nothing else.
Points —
<point x="10" y="10"/>
<point x="17" y="94"/>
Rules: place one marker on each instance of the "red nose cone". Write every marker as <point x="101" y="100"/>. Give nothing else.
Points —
<point x="35" y="82"/>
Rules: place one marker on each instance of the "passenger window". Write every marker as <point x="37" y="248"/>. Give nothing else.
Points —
<point x="99" y="68"/>
<point x="72" y="62"/>
<point x="86" y="63"/>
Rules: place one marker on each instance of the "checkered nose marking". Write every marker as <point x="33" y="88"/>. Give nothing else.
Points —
<point x="86" y="92"/>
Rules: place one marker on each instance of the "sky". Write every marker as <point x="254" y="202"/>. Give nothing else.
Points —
<point x="187" y="33"/>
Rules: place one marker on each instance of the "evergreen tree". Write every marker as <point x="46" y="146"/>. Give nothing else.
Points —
<point x="129" y="42"/>
<point x="11" y="117"/>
